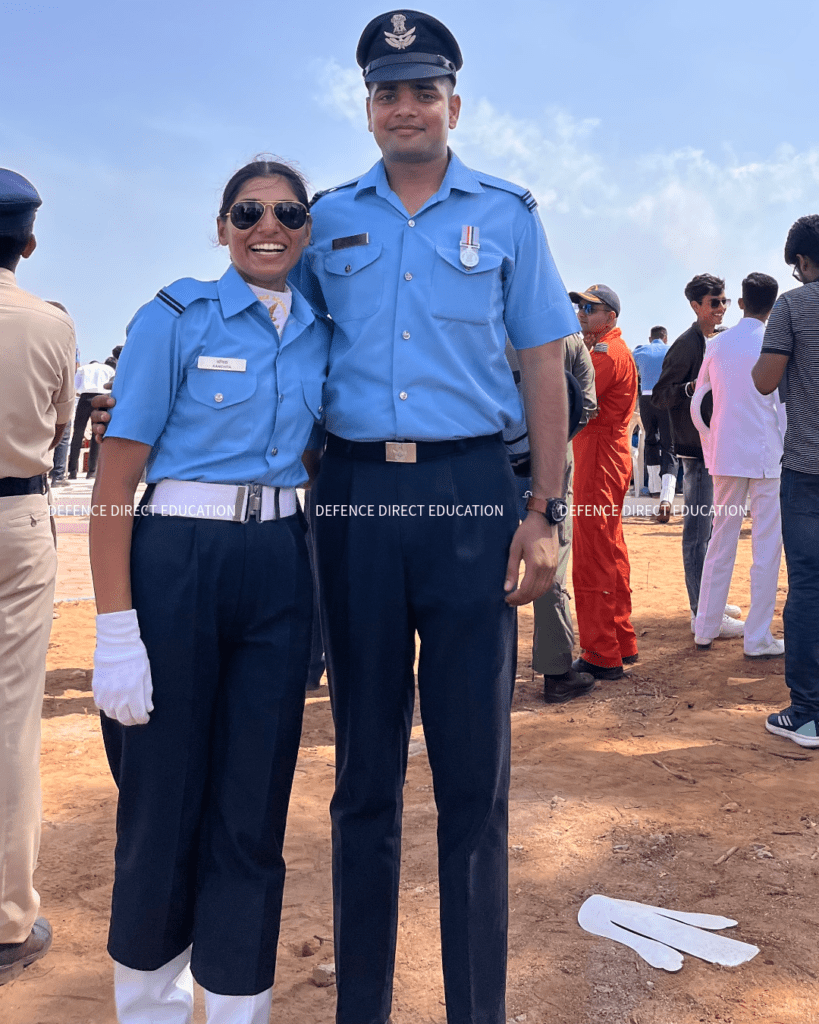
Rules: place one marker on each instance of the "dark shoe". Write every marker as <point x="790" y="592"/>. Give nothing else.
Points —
<point x="614" y="672"/>
<point x="16" y="956"/>
<point x="631" y="659"/>
<point x="663" y="512"/>
<point x="795" y="725"/>
<point x="559" y="689"/>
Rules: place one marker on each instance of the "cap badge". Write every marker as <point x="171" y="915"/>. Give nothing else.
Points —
<point x="401" y="37"/>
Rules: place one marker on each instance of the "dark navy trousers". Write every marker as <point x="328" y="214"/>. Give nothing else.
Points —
<point x="419" y="562"/>
<point x="225" y="613"/>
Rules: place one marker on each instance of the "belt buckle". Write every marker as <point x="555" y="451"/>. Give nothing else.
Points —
<point x="400" y="451"/>
<point x="248" y="503"/>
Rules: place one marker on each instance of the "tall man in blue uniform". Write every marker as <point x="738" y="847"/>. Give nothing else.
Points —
<point x="425" y="266"/>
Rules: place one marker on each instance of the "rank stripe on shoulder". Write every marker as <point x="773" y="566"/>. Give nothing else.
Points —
<point x="508" y="186"/>
<point x="335" y="188"/>
<point x="170" y="301"/>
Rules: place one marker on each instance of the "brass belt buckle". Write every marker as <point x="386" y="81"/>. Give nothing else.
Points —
<point x="401" y="451"/>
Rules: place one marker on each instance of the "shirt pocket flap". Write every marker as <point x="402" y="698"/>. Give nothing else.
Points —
<point x="220" y="389"/>
<point x="486" y="260"/>
<point x="349" y="261"/>
<point x="313" y="396"/>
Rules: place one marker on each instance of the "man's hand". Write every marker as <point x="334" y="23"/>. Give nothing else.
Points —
<point x="536" y="542"/>
<point x="99" y="417"/>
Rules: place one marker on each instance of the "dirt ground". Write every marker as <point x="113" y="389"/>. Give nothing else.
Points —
<point x="636" y="791"/>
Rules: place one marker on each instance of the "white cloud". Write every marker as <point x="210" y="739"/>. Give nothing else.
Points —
<point x="342" y="92"/>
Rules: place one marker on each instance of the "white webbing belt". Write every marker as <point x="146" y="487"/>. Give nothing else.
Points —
<point x="232" y="503"/>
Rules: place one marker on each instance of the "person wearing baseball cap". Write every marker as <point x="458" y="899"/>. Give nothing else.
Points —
<point x="37" y="396"/>
<point x="602" y="452"/>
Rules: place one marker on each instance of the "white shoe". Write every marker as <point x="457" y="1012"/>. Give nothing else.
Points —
<point x="238" y="1009"/>
<point x="731" y="627"/>
<point x="733" y="610"/>
<point x="148" y="997"/>
<point x="775" y="649"/>
<point x="702" y="642"/>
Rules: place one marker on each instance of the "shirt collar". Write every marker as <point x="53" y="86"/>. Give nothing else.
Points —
<point x="7" y="277"/>
<point x="235" y="297"/>
<point x="458" y="177"/>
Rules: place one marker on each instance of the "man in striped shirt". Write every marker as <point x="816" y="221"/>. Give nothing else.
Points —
<point x="788" y="361"/>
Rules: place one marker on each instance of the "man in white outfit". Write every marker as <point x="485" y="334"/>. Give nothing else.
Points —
<point x="743" y="452"/>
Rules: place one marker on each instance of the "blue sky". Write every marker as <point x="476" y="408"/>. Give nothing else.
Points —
<point x="661" y="140"/>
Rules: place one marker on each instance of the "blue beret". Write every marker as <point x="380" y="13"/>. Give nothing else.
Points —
<point x="19" y="200"/>
<point x="401" y="46"/>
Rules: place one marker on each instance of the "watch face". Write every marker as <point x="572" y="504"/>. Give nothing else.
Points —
<point x="557" y="510"/>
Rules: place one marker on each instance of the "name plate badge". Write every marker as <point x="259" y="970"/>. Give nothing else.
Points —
<point x="221" y="363"/>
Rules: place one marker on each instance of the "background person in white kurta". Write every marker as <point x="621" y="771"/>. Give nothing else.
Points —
<point x="743" y="452"/>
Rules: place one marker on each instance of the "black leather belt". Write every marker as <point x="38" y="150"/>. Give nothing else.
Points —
<point x="15" y="485"/>
<point x="406" y="451"/>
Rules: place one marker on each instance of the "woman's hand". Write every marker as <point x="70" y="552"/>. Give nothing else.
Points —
<point x="122" y="675"/>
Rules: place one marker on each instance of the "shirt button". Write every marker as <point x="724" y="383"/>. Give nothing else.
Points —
<point x="281" y="398"/>
<point x="274" y="451"/>
<point x="403" y="396"/>
<point x="321" y="408"/>
<point x="218" y="397"/>
<point x="408" y="276"/>
<point x="406" y="335"/>
<point x="411" y="223"/>
<point x="347" y="269"/>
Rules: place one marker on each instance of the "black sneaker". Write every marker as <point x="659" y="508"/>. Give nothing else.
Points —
<point x="16" y="956"/>
<point x="795" y="725"/>
<point x="559" y="689"/>
<point x="614" y="672"/>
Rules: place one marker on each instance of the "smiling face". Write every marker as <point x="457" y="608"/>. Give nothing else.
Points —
<point x="710" y="311"/>
<point x="265" y="253"/>
<point x="411" y="120"/>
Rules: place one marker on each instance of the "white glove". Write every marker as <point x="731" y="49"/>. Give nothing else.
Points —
<point x="658" y="934"/>
<point x="122" y="675"/>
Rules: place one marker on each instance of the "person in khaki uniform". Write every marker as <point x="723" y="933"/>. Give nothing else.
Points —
<point x="36" y="397"/>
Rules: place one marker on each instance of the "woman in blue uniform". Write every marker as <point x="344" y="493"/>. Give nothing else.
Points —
<point x="203" y="631"/>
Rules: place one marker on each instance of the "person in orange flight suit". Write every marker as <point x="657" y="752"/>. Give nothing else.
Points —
<point x="602" y="459"/>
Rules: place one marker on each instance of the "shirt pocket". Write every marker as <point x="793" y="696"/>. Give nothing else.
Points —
<point x="313" y="396"/>
<point x="352" y="281"/>
<point x="458" y="293"/>
<point x="223" y="417"/>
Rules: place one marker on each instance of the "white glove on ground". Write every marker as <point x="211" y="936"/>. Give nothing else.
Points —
<point x="122" y="675"/>
<point x="658" y="934"/>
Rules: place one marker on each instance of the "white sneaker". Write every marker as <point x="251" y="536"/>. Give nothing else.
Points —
<point x="731" y="627"/>
<point x="702" y="642"/>
<point x="775" y="649"/>
<point x="733" y="610"/>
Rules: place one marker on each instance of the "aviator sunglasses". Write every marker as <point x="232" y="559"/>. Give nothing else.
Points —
<point x="288" y="213"/>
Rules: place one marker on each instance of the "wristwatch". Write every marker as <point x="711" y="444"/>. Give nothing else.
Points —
<point x="554" y="509"/>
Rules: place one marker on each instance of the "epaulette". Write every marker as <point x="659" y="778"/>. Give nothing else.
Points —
<point x="509" y="186"/>
<point x="601" y="346"/>
<point x="179" y="295"/>
<point x="335" y="188"/>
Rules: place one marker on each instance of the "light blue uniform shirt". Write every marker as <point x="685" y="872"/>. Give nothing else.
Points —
<point x="418" y="344"/>
<point x="649" y="359"/>
<point x="238" y="426"/>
